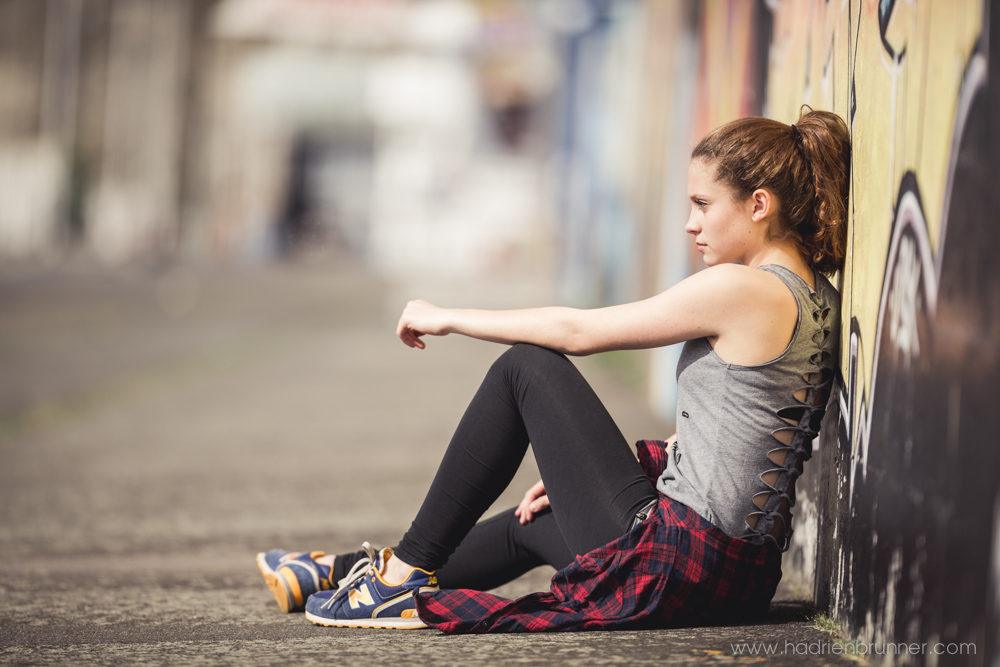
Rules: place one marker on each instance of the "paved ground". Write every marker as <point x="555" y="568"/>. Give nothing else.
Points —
<point x="159" y="427"/>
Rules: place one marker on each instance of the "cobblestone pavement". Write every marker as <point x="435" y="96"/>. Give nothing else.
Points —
<point x="158" y="427"/>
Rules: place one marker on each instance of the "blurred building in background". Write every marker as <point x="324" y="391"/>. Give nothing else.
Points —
<point x="224" y="130"/>
<point x="96" y="124"/>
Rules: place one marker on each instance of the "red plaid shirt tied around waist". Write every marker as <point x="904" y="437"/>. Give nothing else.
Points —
<point x="674" y="569"/>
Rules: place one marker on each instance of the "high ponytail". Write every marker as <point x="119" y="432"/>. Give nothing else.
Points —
<point x="806" y="167"/>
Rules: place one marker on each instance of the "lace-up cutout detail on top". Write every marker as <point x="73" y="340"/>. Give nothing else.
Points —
<point x="794" y="441"/>
<point x="746" y="431"/>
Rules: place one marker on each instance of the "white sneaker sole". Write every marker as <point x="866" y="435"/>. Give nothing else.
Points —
<point x="391" y="623"/>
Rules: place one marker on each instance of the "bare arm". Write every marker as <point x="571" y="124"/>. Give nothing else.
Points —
<point x="706" y="304"/>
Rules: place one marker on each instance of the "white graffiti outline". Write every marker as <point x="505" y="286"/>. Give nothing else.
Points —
<point x="904" y="302"/>
<point x="975" y="78"/>
<point x="909" y="215"/>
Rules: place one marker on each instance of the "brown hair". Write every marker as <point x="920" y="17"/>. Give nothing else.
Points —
<point x="805" y="166"/>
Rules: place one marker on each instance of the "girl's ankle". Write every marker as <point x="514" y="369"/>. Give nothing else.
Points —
<point x="395" y="571"/>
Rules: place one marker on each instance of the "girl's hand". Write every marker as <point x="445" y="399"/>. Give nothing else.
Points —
<point x="534" y="502"/>
<point x="420" y="318"/>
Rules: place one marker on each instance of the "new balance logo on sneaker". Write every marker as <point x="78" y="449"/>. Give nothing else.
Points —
<point x="365" y="600"/>
<point x="361" y="594"/>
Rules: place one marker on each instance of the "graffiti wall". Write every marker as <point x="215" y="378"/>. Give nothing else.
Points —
<point x="900" y="528"/>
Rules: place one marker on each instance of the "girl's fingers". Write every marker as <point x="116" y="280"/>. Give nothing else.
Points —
<point x="411" y="337"/>
<point x="523" y="512"/>
<point x="533" y="502"/>
<point x="531" y="507"/>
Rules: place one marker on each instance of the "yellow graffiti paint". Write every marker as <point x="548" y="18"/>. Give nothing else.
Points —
<point x="905" y="62"/>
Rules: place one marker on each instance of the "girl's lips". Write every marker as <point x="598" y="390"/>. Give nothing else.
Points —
<point x="701" y="246"/>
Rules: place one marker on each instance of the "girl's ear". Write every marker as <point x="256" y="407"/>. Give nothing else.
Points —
<point x="762" y="204"/>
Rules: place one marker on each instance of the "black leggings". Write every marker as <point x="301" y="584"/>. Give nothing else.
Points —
<point x="594" y="482"/>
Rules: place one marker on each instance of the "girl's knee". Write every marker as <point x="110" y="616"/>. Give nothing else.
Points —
<point x="530" y="356"/>
<point x="525" y="364"/>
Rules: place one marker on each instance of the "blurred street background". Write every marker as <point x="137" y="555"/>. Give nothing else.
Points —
<point x="439" y="142"/>
<point x="213" y="211"/>
<point x="413" y="134"/>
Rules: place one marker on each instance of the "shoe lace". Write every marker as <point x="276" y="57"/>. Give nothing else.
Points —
<point x="357" y="572"/>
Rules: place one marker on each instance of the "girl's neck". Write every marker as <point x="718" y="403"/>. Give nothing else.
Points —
<point x="786" y="254"/>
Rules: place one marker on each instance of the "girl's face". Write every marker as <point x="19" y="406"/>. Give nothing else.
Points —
<point x="723" y="229"/>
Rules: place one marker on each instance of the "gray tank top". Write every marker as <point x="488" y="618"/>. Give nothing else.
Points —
<point x="738" y="426"/>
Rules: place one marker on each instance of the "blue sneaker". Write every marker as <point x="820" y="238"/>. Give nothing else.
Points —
<point x="365" y="600"/>
<point x="293" y="576"/>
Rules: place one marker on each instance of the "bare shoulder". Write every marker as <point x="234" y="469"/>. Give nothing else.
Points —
<point x="741" y="284"/>
<point x="760" y="313"/>
<point x="746" y="295"/>
<point x="728" y="293"/>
